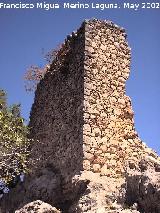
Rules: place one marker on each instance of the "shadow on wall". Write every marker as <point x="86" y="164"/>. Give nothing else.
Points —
<point x="56" y="121"/>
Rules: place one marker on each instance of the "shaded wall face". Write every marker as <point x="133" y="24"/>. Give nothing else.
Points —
<point x="109" y="134"/>
<point x="57" y="113"/>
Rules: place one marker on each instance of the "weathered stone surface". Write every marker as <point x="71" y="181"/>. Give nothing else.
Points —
<point x="44" y="185"/>
<point x="138" y="192"/>
<point x="37" y="207"/>
<point x="143" y="188"/>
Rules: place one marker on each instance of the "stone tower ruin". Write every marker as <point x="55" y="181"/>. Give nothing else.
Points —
<point x="81" y="114"/>
<point x="87" y="154"/>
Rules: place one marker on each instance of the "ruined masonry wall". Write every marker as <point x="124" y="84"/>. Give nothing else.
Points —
<point x="81" y="115"/>
<point x="110" y="139"/>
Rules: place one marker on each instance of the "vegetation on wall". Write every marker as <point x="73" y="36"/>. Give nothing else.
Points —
<point x="35" y="73"/>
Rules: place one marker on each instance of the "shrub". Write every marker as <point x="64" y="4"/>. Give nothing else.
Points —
<point x="34" y="73"/>
<point x="14" y="144"/>
<point x="54" y="58"/>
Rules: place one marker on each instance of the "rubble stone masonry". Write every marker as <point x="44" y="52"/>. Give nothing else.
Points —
<point x="57" y="113"/>
<point x="81" y="114"/>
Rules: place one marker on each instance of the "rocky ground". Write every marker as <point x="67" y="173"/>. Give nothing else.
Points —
<point x="137" y="192"/>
